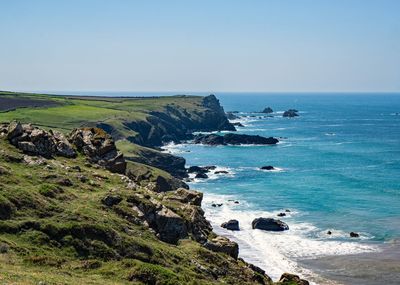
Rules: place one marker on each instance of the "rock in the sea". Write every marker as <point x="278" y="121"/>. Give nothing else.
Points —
<point x="267" y="110"/>
<point x="290" y="113"/>
<point x="281" y="215"/>
<point x="234" y="139"/>
<point x="201" y="175"/>
<point x="269" y="224"/>
<point x="238" y="124"/>
<point x="328" y="232"/>
<point x="267" y="167"/>
<point x="354" y="235"/>
<point x="222" y="244"/>
<point x="99" y="148"/>
<point x="232" y="225"/>
<point x="292" y="279"/>
<point x="231" y="116"/>
<point x="221" y="172"/>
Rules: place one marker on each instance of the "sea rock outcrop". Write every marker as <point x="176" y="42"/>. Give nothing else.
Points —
<point x="288" y="278"/>
<point x="223" y="244"/>
<point x="231" y="116"/>
<point x="233" y="139"/>
<point x="232" y="225"/>
<point x="269" y="224"/>
<point x="267" y="110"/>
<point x="267" y="167"/>
<point x="35" y="141"/>
<point x="291" y="113"/>
<point x="99" y="148"/>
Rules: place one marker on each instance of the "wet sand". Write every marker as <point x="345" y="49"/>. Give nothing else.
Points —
<point x="361" y="269"/>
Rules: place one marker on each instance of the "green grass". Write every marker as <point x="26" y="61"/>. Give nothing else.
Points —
<point x="64" y="235"/>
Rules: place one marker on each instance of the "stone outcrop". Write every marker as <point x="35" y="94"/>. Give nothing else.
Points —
<point x="232" y="225"/>
<point x="288" y="278"/>
<point x="234" y="139"/>
<point x="35" y="141"/>
<point x="186" y="196"/>
<point x="99" y="148"/>
<point x="267" y="110"/>
<point x="224" y="245"/>
<point x="269" y="224"/>
<point x="231" y="116"/>
<point x="267" y="167"/>
<point x="291" y="113"/>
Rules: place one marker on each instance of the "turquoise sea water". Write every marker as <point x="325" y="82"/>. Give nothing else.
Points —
<point x="338" y="169"/>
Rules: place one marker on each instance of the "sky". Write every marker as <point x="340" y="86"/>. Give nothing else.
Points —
<point x="203" y="45"/>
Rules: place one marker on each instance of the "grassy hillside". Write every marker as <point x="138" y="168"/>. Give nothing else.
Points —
<point x="54" y="228"/>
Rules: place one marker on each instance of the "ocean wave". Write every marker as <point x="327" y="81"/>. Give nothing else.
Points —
<point x="212" y="175"/>
<point x="277" y="252"/>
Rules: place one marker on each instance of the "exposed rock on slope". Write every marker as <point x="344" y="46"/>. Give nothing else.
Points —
<point x="36" y="141"/>
<point x="233" y="139"/>
<point x="99" y="147"/>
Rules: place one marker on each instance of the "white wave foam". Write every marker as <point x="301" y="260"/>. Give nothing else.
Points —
<point x="174" y="148"/>
<point x="212" y="175"/>
<point x="276" y="252"/>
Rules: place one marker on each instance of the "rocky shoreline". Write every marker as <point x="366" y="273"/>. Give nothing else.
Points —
<point x="169" y="209"/>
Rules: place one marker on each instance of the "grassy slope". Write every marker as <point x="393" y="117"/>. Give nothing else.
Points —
<point x="82" y="111"/>
<point x="48" y="236"/>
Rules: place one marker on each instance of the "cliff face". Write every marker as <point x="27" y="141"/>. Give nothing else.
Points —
<point x="176" y="123"/>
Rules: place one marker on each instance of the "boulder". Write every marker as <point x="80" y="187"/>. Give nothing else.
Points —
<point x="290" y="113"/>
<point x="224" y="245"/>
<point x="185" y="196"/>
<point x="269" y="224"/>
<point x="354" y="235"/>
<point x="232" y="225"/>
<point x="221" y="172"/>
<point x="288" y="278"/>
<point x="14" y="130"/>
<point x="328" y="232"/>
<point x="201" y="175"/>
<point x="267" y="110"/>
<point x="170" y="227"/>
<point x="234" y="139"/>
<point x="238" y="124"/>
<point x="197" y="169"/>
<point x="99" y="148"/>
<point x="267" y="167"/>
<point x="111" y="200"/>
<point x="281" y="215"/>
<point x="35" y="141"/>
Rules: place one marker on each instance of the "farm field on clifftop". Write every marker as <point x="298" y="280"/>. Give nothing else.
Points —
<point x="66" y="112"/>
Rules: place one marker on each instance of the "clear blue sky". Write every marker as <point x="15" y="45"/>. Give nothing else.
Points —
<point x="203" y="45"/>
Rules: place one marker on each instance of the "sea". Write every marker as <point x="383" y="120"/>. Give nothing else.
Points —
<point x="337" y="168"/>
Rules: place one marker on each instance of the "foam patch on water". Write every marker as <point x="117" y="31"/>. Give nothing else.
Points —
<point x="277" y="252"/>
<point x="174" y="148"/>
<point x="213" y="174"/>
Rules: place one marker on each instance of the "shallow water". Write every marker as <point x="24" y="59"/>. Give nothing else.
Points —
<point x="338" y="169"/>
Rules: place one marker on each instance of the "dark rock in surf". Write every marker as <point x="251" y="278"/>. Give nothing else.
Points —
<point x="234" y="139"/>
<point x="269" y="224"/>
<point x="281" y="215"/>
<point x="354" y="235"/>
<point x="201" y="175"/>
<point x="232" y="225"/>
<point x="267" y="167"/>
<point x="290" y="113"/>
<point x="267" y="110"/>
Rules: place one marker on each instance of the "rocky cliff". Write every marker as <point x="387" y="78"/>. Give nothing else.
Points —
<point x="175" y="123"/>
